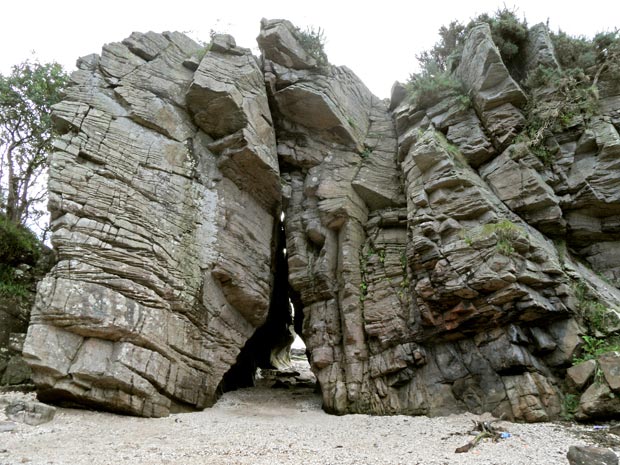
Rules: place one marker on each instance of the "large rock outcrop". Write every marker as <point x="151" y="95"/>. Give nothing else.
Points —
<point x="436" y="264"/>
<point x="416" y="244"/>
<point x="164" y="233"/>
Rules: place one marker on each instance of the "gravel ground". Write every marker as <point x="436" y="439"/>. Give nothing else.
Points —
<point x="270" y="426"/>
<point x="273" y="426"/>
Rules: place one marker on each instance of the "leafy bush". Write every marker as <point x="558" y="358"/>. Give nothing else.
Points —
<point x="431" y="85"/>
<point x="445" y="54"/>
<point x="596" y="315"/>
<point x="508" y="31"/>
<point x="10" y="286"/>
<point x="17" y="244"/>
<point x="435" y="81"/>
<point x="572" y="96"/>
<point x="594" y="347"/>
<point x="27" y="95"/>
<point x="313" y="42"/>
<point x="573" y="52"/>
<point x="569" y="406"/>
<point x="594" y="57"/>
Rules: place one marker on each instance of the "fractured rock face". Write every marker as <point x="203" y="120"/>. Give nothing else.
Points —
<point x="495" y="95"/>
<point x="433" y="261"/>
<point x="164" y="248"/>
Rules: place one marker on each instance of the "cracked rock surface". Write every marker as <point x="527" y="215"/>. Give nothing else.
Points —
<point x="164" y="247"/>
<point x="436" y="262"/>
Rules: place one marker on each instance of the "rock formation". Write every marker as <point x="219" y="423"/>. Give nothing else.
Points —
<point x="164" y="234"/>
<point x="436" y="264"/>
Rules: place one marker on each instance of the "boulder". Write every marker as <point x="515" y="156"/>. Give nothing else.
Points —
<point x="609" y="364"/>
<point x="7" y="426"/>
<point x="279" y="42"/>
<point x="589" y="455"/>
<point x="227" y="100"/>
<point x="540" y="50"/>
<point x="580" y="374"/>
<point x="16" y="372"/>
<point x="515" y="177"/>
<point x="598" y="401"/>
<point x="495" y="94"/>
<point x="30" y="413"/>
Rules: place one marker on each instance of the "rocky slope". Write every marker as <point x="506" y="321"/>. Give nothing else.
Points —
<point x="436" y="264"/>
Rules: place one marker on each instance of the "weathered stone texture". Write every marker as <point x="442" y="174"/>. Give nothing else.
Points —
<point x="164" y="253"/>
<point x="438" y="264"/>
<point x="496" y="96"/>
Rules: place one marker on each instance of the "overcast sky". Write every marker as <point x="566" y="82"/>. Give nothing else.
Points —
<point x="378" y="42"/>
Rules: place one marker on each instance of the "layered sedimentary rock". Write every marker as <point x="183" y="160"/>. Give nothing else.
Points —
<point x="164" y="236"/>
<point x="436" y="263"/>
<point x="416" y="243"/>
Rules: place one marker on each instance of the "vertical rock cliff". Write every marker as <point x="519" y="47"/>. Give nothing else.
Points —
<point x="164" y="193"/>
<point x="436" y="262"/>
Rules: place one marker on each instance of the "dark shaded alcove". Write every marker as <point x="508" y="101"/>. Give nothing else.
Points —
<point x="275" y="332"/>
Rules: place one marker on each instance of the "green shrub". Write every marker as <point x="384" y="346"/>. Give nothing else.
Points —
<point x="17" y="244"/>
<point x="10" y="286"/>
<point x="570" y="404"/>
<point x="435" y="81"/>
<point x="445" y="54"/>
<point x="594" y="57"/>
<point x="573" y="98"/>
<point x="431" y="85"/>
<point x="313" y="42"/>
<point x="595" y="314"/>
<point x="573" y="52"/>
<point x="508" y="31"/>
<point x="594" y="347"/>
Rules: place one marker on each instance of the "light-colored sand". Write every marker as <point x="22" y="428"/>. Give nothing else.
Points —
<point x="273" y="426"/>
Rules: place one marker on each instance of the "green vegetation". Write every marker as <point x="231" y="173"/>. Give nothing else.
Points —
<point x="367" y="151"/>
<point x="26" y="97"/>
<point x="596" y="315"/>
<point x="509" y="34"/>
<point x="10" y="286"/>
<point x="574" y="88"/>
<point x="584" y="63"/>
<point x="313" y="42"/>
<point x="435" y="81"/>
<point x="598" y="320"/>
<point x="504" y="231"/>
<point x="595" y="57"/>
<point x="573" y="99"/>
<point x="366" y="252"/>
<point x="569" y="406"/>
<point x="431" y="85"/>
<point x="17" y="244"/>
<point x="594" y="347"/>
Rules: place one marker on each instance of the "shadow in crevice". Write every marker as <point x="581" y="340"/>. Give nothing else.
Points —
<point x="269" y="348"/>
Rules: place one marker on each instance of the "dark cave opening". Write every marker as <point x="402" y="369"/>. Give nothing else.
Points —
<point x="275" y="336"/>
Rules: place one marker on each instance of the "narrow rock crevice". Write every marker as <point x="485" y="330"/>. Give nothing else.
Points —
<point x="269" y="346"/>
